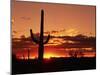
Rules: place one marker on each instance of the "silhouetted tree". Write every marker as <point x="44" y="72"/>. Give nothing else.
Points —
<point x="75" y="53"/>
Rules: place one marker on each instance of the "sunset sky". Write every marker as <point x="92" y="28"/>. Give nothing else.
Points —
<point x="59" y="20"/>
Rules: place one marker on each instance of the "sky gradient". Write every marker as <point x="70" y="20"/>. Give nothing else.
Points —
<point x="74" y="19"/>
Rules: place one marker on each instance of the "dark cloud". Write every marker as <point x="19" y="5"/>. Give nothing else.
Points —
<point x="14" y="32"/>
<point x="25" y="18"/>
<point x="77" y="42"/>
<point x="22" y="42"/>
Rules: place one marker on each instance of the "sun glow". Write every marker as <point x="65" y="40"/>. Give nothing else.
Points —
<point x="49" y="55"/>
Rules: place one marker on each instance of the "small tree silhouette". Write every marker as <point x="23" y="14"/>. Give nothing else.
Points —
<point x="76" y="53"/>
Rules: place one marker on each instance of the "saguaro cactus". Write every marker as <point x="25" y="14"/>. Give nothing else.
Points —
<point x="40" y="42"/>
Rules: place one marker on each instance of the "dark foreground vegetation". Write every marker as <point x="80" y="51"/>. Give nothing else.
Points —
<point x="52" y="65"/>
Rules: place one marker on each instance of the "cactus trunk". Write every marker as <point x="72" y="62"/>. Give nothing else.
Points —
<point x="41" y="47"/>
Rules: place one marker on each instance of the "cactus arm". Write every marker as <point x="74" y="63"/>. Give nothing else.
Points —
<point x="46" y="41"/>
<point x="33" y="38"/>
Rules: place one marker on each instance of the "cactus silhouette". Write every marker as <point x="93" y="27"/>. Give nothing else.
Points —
<point x="40" y="42"/>
<point x="28" y="54"/>
<point x="23" y="57"/>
